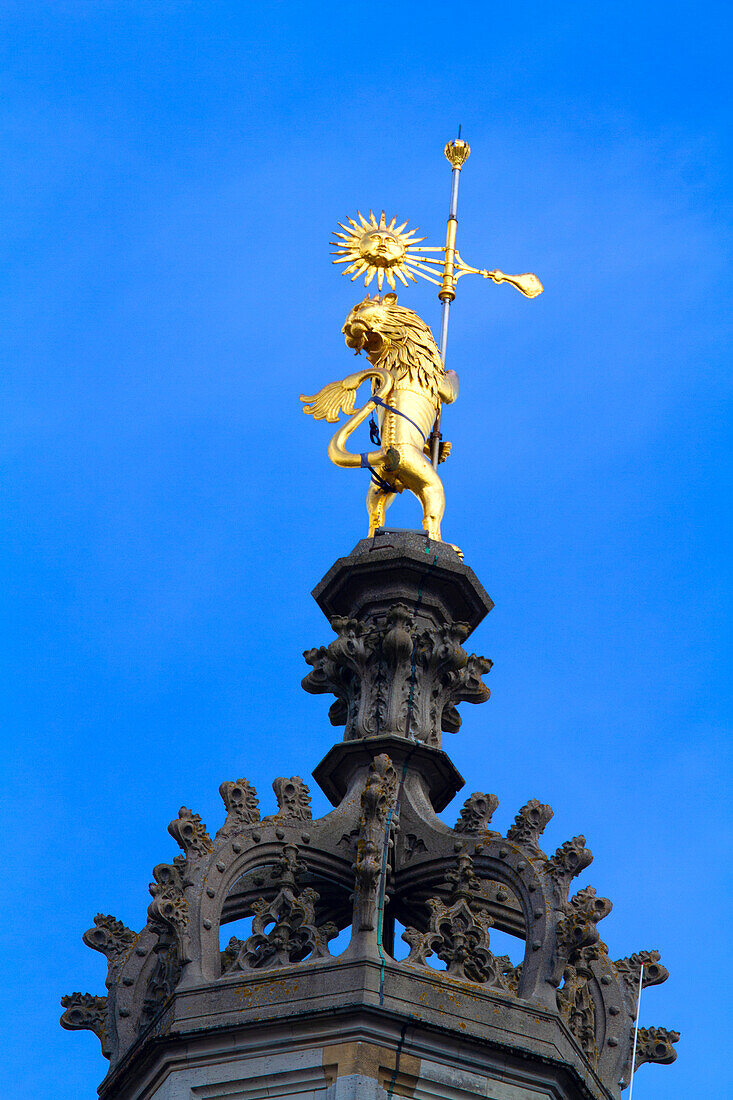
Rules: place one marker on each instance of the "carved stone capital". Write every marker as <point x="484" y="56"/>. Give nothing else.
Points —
<point x="391" y="677"/>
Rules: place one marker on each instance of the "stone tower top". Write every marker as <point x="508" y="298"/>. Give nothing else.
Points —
<point x="273" y="1012"/>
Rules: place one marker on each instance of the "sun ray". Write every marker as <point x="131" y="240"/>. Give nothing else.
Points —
<point x="358" y="270"/>
<point x="380" y="248"/>
<point x="415" y="270"/>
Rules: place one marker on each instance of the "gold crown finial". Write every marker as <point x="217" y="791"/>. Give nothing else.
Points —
<point x="457" y="152"/>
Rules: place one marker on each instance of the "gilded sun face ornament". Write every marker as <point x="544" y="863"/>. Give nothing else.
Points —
<point x="377" y="249"/>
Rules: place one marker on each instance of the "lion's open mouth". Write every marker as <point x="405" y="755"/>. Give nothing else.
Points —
<point x="361" y="338"/>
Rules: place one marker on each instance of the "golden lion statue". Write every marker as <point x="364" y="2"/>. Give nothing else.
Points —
<point x="408" y="383"/>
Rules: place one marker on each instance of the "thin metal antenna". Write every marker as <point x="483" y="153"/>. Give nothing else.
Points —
<point x="636" y="1031"/>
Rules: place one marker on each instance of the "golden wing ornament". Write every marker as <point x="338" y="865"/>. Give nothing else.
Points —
<point x="332" y="399"/>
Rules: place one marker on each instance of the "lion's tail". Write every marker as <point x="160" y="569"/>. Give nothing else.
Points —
<point x="337" y="451"/>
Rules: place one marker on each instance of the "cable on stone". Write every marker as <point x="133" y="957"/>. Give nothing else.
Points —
<point x="398" y="1055"/>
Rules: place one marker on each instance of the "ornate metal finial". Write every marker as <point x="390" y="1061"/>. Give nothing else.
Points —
<point x="409" y="381"/>
<point x="457" y="152"/>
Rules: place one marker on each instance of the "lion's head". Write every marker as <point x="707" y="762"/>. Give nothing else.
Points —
<point x="395" y="338"/>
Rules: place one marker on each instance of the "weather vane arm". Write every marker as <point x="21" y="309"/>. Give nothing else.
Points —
<point x="527" y="284"/>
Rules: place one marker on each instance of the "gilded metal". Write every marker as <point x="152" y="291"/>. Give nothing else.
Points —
<point x="527" y="284"/>
<point x="376" y="249"/>
<point x="457" y="153"/>
<point x="447" y="290"/>
<point x="407" y="375"/>
<point x="395" y="344"/>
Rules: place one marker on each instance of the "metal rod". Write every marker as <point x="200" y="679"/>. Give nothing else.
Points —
<point x="446" y="295"/>
<point x="452" y="217"/>
<point x="636" y="1032"/>
<point x="444" y="330"/>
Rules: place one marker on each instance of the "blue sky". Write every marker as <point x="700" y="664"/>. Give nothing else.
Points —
<point x="172" y="174"/>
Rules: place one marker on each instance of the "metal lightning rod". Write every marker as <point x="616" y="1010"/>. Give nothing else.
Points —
<point x="636" y="1032"/>
<point x="457" y="152"/>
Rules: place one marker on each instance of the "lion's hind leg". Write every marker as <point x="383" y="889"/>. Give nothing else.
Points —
<point x="377" y="502"/>
<point x="418" y="475"/>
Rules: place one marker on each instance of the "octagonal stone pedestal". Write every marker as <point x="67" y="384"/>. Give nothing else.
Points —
<point x="403" y="566"/>
<point x="352" y="1029"/>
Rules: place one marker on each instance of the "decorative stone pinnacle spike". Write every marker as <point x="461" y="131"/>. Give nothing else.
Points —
<point x="476" y="814"/>
<point x="530" y="823"/>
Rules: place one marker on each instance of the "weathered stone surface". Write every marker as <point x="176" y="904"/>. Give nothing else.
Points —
<point x="189" y="832"/>
<point x="530" y="823"/>
<point x="394" y="678"/>
<point x="577" y="928"/>
<point x="555" y="1021"/>
<point x="349" y="759"/>
<point x="570" y="859"/>
<point x="403" y="567"/>
<point x="240" y="799"/>
<point x="293" y="799"/>
<point x="376" y="823"/>
<point x="458" y="933"/>
<point x="110" y="936"/>
<point x="629" y="970"/>
<point x="85" y="1012"/>
<point x="476" y="814"/>
<point x="654" y="1044"/>
<point x="284" y="930"/>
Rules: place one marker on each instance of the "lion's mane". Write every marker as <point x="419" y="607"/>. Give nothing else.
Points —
<point x="409" y="349"/>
